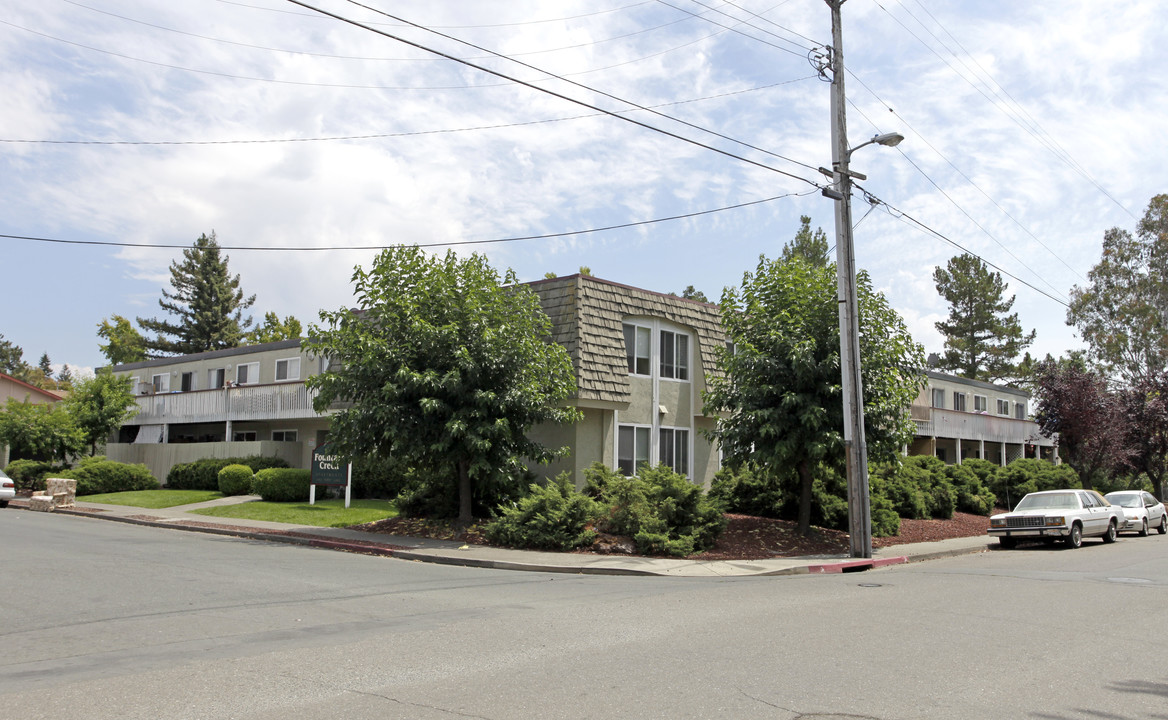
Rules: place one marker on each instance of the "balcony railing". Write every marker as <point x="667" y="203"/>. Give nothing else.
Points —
<point x="974" y="426"/>
<point x="280" y="401"/>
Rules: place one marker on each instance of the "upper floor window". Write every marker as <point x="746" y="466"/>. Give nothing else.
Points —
<point x="288" y="369"/>
<point x="188" y="381"/>
<point x="959" y="401"/>
<point x="674" y="355"/>
<point x="1003" y="407"/>
<point x="980" y="403"/>
<point x="632" y="448"/>
<point x="247" y="373"/>
<point x="1020" y="410"/>
<point x="161" y="383"/>
<point x="216" y="378"/>
<point x="637" y="341"/>
<point x="938" y="398"/>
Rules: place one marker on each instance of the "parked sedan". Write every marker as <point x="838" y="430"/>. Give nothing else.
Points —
<point x="1069" y="515"/>
<point x="7" y="489"/>
<point x="1141" y="511"/>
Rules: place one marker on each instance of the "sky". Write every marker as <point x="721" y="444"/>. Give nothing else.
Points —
<point x="1030" y="129"/>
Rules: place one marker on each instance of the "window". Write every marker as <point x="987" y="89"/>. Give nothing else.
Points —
<point x="674" y="355"/>
<point x="215" y="378"/>
<point x="284" y="435"/>
<point x="243" y="436"/>
<point x="980" y="403"/>
<point x="674" y="450"/>
<point x="938" y="398"/>
<point x="161" y="383"/>
<point x="959" y="401"/>
<point x="1003" y="407"/>
<point x="1020" y="410"/>
<point x="288" y="369"/>
<point x="637" y="349"/>
<point x="632" y="448"/>
<point x="247" y="374"/>
<point x="188" y="381"/>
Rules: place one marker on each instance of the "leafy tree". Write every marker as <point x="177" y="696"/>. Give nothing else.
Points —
<point x="445" y="364"/>
<point x="811" y="246"/>
<point x="11" y="358"/>
<point x="1121" y="313"/>
<point x="275" y="329"/>
<point x="1075" y="402"/>
<point x="206" y="301"/>
<point x="549" y="275"/>
<point x="99" y="405"/>
<point x="39" y="431"/>
<point x="1145" y="405"/>
<point x="585" y="270"/>
<point x="125" y="344"/>
<point x="982" y="337"/>
<point x="780" y="390"/>
<point x="692" y="293"/>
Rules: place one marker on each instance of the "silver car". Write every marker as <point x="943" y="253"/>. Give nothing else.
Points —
<point x="1141" y="511"/>
<point x="7" y="489"/>
<point x="1069" y="515"/>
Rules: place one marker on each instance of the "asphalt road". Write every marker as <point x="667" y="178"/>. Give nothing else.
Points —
<point x="104" y="620"/>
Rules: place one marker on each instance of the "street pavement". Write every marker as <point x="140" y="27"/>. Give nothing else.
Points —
<point x="454" y="553"/>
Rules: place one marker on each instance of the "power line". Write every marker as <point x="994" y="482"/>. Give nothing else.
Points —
<point x="381" y="136"/>
<point x="802" y="50"/>
<point x="565" y="97"/>
<point x="567" y="233"/>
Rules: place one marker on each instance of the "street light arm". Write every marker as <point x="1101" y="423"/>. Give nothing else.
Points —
<point x="888" y="139"/>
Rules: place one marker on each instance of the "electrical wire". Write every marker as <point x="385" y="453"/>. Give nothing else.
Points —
<point x="447" y="243"/>
<point x="379" y="136"/>
<point x="800" y="53"/>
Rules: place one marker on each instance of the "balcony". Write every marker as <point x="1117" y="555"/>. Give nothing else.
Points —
<point x="279" y="401"/>
<point x="974" y="426"/>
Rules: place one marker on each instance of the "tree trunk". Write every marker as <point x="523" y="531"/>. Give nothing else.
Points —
<point x="805" y="498"/>
<point x="464" y="493"/>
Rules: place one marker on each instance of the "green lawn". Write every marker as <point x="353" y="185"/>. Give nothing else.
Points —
<point x="153" y="498"/>
<point x="325" y="513"/>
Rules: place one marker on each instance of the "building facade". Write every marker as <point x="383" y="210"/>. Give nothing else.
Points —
<point x="958" y="419"/>
<point x="14" y="389"/>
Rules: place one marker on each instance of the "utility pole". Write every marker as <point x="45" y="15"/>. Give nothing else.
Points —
<point x="859" y="506"/>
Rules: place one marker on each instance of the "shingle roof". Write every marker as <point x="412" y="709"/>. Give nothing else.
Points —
<point x="587" y="314"/>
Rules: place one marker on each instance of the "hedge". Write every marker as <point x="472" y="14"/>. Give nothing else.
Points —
<point x="282" y="484"/>
<point x="235" y="480"/>
<point x="204" y="474"/>
<point x="96" y="476"/>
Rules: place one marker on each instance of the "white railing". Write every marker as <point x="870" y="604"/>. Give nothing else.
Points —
<point x="974" y="426"/>
<point x="280" y="401"/>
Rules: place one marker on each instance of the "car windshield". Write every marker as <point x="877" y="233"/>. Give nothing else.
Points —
<point x="1127" y="500"/>
<point x="1054" y="501"/>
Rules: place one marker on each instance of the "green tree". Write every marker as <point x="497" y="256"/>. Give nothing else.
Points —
<point x="982" y="337"/>
<point x="779" y="391"/>
<point x="39" y="431"/>
<point x="275" y="329"/>
<point x="811" y="246"/>
<point x="206" y="302"/>
<point x="125" y="344"/>
<point x="46" y="366"/>
<point x="99" y="405"/>
<point x="692" y="293"/>
<point x="65" y="378"/>
<point x="447" y="365"/>
<point x="1121" y="312"/>
<point x="11" y="358"/>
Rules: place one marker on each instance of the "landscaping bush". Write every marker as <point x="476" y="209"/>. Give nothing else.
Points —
<point x="377" y="477"/>
<point x="972" y="495"/>
<point x="434" y="493"/>
<point x="885" y="521"/>
<point x="98" y="475"/>
<point x="748" y="490"/>
<point x="1027" y="475"/>
<point x="31" y="474"/>
<point x="551" y="517"/>
<point x="282" y="484"/>
<point x="204" y="474"/>
<point x="235" y="480"/>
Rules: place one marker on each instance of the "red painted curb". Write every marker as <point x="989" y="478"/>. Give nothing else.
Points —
<point x="856" y="565"/>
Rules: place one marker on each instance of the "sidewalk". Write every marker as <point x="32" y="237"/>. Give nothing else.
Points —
<point x="454" y="553"/>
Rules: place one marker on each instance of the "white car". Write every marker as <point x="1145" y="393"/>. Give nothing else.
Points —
<point x="1069" y="515"/>
<point x="7" y="489"/>
<point x="1141" y="511"/>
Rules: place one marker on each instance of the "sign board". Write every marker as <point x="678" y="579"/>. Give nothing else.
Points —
<point x="329" y="468"/>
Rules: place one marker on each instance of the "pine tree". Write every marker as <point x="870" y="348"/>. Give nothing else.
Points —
<point x="46" y="366"/>
<point x="811" y="246"/>
<point x="206" y="301"/>
<point x="981" y="338"/>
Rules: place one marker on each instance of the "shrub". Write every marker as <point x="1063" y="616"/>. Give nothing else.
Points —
<point x="31" y="474"/>
<point x="551" y="517"/>
<point x="885" y="521"/>
<point x="1026" y="475"/>
<point x="204" y="474"/>
<point x="98" y="475"/>
<point x="377" y="477"/>
<point x="235" y="480"/>
<point x="434" y="493"/>
<point x="282" y="484"/>
<point x="972" y="495"/>
<point x="749" y="490"/>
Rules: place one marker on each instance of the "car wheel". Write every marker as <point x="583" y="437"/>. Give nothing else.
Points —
<point x="4" y="504"/>
<point x="1113" y="531"/>
<point x="1144" y="528"/>
<point x="1163" y="528"/>
<point x="1007" y="543"/>
<point x="1075" y="539"/>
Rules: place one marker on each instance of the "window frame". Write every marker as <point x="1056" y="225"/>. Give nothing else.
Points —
<point x="249" y="381"/>
<point x="216" y="382"/>
<point x="1019" y="411"/>
<point x="633" y="358"/>
<point x="933" y="401"/>
<point x="156" y="386"/>
<point x="242" y="436"/>
<point x="285" y="438"/>
<point x="985" y="403"/>
<point x="287" y="362"/>
<point x="959" y="399"/>
<point x="186" y="381"/>
<point x="636" y="430"/>
<point x="673" y="449"/>
<point x="680" y="361"/>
